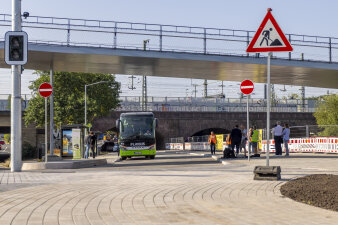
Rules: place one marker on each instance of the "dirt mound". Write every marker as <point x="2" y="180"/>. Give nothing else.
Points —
<point x="317" y="190"/>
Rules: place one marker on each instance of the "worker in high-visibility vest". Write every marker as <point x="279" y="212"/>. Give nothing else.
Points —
<point x="212" y="142"/>
<point x="228" y="140"/>
<point x="254" y="141"/>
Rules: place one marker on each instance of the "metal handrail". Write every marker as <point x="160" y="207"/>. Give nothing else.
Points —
<point x="137" y="23"/>
<point x="173" y="32"/>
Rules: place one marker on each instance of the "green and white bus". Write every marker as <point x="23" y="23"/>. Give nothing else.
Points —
<point x="137" y="134"/>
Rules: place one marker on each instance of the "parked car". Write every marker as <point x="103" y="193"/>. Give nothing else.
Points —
<point x="2" y="142"/>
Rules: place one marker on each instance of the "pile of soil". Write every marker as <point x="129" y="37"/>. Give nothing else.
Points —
<point x="317" y="190"/>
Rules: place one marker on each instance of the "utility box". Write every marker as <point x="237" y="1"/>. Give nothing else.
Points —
<point x="267" y="173"/>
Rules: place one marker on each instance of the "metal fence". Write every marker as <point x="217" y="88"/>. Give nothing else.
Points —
<point x="295" y="132"/>
<point x="166" y="38"/>
<point x="5" y="102"/>
<point x="312" y="131"/>
<point x="176" y="140"/>
<point x="183" y="104"/>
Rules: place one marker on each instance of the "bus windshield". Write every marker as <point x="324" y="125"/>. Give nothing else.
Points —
<point x="136" y="127"/>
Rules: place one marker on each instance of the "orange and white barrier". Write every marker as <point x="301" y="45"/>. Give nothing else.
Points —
<point x="174" y="146"/>
<point x="313" y="144"/>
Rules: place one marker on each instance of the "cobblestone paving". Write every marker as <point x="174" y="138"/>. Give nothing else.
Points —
<point x="172" y="189"/>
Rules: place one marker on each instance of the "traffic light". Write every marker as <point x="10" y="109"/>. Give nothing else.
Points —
<point x="16" y="48"/>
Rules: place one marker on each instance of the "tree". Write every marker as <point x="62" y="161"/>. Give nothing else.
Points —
<point x="68" y="90"/>
<point x="327" y="114"/>
<point x="294" y="96"/>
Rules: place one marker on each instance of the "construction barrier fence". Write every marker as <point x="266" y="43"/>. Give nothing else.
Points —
<point x="312" y="144"/>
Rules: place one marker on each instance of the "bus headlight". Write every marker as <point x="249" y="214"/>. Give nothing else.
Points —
<point x="152" y="147"/>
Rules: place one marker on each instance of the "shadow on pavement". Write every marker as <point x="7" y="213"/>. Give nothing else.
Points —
<point x="133" y="163"/>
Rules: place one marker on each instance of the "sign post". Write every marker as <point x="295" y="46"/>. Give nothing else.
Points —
<point x="45" y="91"/>
<point x="247" y="88"/>
<point x="46" y="131"/>
<point x="269" y="38"/>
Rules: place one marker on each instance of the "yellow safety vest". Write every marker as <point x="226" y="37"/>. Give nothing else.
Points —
<point x="254" y="137"/>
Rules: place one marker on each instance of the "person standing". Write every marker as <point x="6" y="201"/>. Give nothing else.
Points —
<point x="244" y="139"/>
<point x="254" y="141"/>
<point x="250" y="149"/>
<point x="277" y="135"/>
<point x="212" y="142"/>
<point x="235" y="138"/>
<point x="92" y="142"/>
<point x="87" y="145"/>
<point x="286" y="138"/>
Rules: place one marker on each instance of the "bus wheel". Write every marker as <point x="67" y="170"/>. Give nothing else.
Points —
<point x="123" y="158"/>
<point x="129" y="157"/>
<point x="152" y="157"/>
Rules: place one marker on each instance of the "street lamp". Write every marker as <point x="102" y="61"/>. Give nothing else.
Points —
<point x="87" y="85"/>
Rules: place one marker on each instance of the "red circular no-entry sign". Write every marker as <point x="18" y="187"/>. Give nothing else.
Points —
<point x="45" y="90"/>
<point x="247" y="87"/>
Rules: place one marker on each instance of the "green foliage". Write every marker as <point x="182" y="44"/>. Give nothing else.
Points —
<point x="69" y="94"/>
<point x="294" y="96"/>
<point x="7" y="138"/>
<point x="327" y="114"/>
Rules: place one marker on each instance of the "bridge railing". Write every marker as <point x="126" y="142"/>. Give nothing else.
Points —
<point x="166" y="38"/>
<point x="182" y="104"/>
<point x="5" y="102"/>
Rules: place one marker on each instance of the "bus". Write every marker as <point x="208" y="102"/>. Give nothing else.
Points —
<point x="137" y="134"/>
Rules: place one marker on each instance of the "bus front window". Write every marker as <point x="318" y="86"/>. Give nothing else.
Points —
<point x="137" y="127"/>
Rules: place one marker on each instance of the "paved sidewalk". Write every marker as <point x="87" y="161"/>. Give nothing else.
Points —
<point x="172" y="189"/>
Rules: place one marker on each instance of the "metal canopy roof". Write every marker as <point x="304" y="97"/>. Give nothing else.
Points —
<point x="98" y="46"/>
<point x="180" y="65"/>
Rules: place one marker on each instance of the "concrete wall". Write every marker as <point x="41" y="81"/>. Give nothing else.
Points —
<point x="29" y="134"/>
<point x="185" y="124"/>
<point x="5" y="119"/>
<point x="180" y="124"/>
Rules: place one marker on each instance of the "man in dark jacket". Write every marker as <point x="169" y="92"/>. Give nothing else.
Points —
<point x="92" y="142"/>
<point x="235" y="138"/>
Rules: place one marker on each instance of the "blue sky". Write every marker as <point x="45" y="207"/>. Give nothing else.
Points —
<point x="302" y="17"/>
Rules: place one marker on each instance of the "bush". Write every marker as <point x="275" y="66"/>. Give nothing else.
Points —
<point x="7" y="138"/>
<point x="28" y="151"/>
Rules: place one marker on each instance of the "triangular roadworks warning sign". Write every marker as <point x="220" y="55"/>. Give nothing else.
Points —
<point x="269" y="37"/>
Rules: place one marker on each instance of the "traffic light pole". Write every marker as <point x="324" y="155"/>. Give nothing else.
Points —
<point x="51" y="99"/>
<point x="16" y="112"/>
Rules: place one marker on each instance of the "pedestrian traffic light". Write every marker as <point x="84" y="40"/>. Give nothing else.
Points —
<point x="16" y="47"/>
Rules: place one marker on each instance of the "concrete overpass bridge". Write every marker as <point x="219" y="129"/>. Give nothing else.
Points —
<point x="78" y="45"/>
<point x="177" y="124"/>
<point x="186" y="124"/>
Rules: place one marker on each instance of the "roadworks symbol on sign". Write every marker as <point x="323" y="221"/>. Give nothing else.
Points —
<point x="269" y="37"/>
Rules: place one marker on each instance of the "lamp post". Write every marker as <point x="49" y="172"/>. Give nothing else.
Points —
<point x="87" y="85"/>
